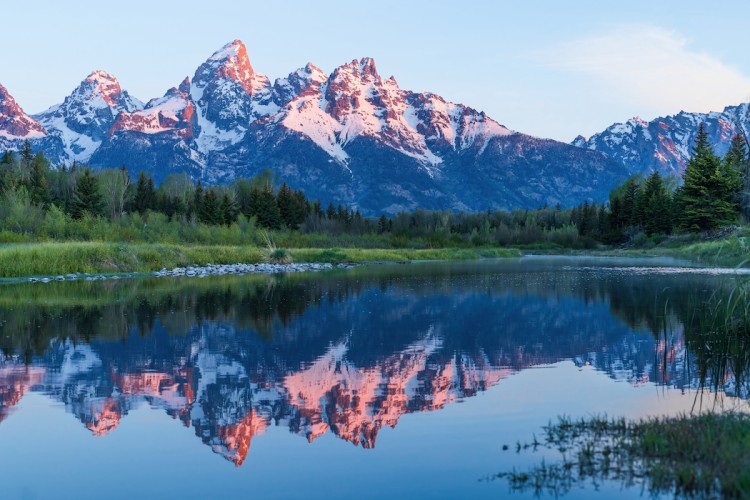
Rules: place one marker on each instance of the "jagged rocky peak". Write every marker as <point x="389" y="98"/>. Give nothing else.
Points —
<point x="101" y="84"/>
<point x="83" y="119"/>
<point x="302" y="82"/>
<point x="580" y="141"/>
<point x="99" y="90"/>
<point x="363" y="68"/>
<point x="229" y="93"/>
<point x="350" y="85"/>
<point x="184" y="86"/>
<point x="357" y="71"/>
<point x="14" y="122"/>
<point x="232" y="63"/>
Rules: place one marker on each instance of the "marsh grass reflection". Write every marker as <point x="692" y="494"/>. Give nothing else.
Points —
<point x="705" y="454"/>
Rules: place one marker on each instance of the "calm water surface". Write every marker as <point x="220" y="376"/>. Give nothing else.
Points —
<point x="397" y="380"/>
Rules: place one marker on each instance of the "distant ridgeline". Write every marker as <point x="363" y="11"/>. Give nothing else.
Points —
<point x="39" y="202"/>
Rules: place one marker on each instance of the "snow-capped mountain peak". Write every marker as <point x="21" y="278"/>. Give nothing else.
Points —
<point x="98" y="91"/>
<point x="82" y="120"/>
<point x="101" y="84"/>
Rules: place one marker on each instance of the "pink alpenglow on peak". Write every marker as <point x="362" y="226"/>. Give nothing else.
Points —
<point x="173" y="112"/>
<point x="14" y="123"/>
<point x="102" y="83"/>
<point x="231" y="62"/>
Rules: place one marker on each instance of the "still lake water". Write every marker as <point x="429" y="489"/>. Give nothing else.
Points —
<point x="379" y="381"/>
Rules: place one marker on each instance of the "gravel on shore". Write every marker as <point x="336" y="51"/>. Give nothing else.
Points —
<point x="200" y="271"/>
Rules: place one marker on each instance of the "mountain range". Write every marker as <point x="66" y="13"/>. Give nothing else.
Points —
<point x="350" y="137"/>
<point x="665" y="144"/>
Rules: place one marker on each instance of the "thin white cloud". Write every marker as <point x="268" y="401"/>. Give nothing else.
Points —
<point x="652" y="67"/>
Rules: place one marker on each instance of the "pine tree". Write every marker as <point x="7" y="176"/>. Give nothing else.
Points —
<point x="342" y="214"/>
<point x="303" y="207"/>
<point x="316" y="209"/>
<point x="265" y="208"/>
<point x="707" y="198"/>
<point x="738" y="154"/>
<point x="602" y="222"/>
<point x="331" y="212"/>
<point x="289" y="207"/>
<point x="209" y="212"/>
<point x="27" y="158"/>
<point x="38" y="184"/>
<point x="6" y="170"/>
<point x="630" y="203"/>
<point x="243" y="188"/>
<point x="145" y="194"/>
<point x="229" y="209"/>
<point x="382" y="224"/>
<point x="615" y="222"/>
<point x="585" y="221"/>
<point x="86" y="196"/>
<point x="734" y="164"/>
<point x="657" y="206"/>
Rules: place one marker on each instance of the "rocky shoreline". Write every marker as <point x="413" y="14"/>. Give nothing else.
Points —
<point x="199" y="271"/>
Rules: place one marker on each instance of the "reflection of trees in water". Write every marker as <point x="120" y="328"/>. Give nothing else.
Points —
<point x="717" y="333"/>
<point x="516" y="318"/>
<point x="345" y="353"/>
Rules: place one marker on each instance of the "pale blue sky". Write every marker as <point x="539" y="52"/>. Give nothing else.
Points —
<point x="548" y="68"/>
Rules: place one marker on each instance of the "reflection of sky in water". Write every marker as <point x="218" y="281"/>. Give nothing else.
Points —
<point x="444" y="359"/>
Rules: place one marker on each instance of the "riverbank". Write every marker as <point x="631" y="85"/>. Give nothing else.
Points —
<point x="53" y="259"/>
<point x="733" y="251"/>
<point x="729" y="251"/>
<point x="62" y="258"/>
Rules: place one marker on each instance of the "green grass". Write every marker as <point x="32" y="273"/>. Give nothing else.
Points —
<point x="361" y="255"/>
<point x="35" y="259"/>
<point x="94" y="257"/>
<point x="702" y="456"/>
<point x="733" y="251"/>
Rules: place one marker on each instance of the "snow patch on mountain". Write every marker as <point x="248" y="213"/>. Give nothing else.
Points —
<point x="304" y="115"/>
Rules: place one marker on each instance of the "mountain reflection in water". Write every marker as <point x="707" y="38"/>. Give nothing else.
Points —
<point x="343" y="353"/>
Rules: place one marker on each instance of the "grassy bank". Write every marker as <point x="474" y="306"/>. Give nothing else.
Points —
<point x="733" y="251"/>
<point x="34" y="259"/>
<point x="700" y="456"/>
<point x="53" y="258"/>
